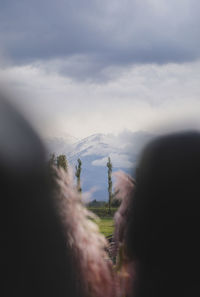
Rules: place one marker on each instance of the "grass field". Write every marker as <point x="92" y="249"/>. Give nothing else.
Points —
<point x="102" y="212"/>
<point x="106" y="226"/>
<point x="106" y="222"/>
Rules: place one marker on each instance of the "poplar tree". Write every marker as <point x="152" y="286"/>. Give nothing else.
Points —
<point x="109" y="165"/>
<point x="62" y="162"/>
<point x="78" y="175"/>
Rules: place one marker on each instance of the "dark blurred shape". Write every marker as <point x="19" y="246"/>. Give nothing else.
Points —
<point x="163" y="233"/>
<point x="34" y="259"/>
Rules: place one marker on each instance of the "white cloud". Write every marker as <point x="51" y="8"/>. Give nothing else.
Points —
<point x="138" y="98"/>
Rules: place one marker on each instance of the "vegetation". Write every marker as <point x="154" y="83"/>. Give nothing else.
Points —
<point x="106" y="226"/>
<point x="110" y="194"/>
<point x="62" y="162"/>
<point x="106" y="222"/>
<point x="103" y="212"/>
<point x="78" y="175"/>
<point x="96" y="203"/>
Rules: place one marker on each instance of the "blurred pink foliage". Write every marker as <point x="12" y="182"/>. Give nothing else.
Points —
<point x="97" y="276"/>
<point x="124" y="187"/>
<point x="88" y="245"/>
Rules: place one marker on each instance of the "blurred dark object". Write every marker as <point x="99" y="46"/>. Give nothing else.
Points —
<point x="34" y="257"/>
<point x="163" y="233"/>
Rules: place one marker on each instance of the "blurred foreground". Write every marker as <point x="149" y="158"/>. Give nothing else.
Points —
<point x="51" y="246"/>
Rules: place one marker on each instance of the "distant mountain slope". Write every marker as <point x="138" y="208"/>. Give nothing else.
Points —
<point x="94" y="151"/>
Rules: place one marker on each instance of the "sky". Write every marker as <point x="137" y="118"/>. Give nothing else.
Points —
<point x="96" y="66"/>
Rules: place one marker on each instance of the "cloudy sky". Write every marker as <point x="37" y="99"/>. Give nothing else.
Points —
<point x="81" y="67"/>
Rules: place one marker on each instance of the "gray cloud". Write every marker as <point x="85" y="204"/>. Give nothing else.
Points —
<point x="141" y="98"/>
<point x="86" y="38"/>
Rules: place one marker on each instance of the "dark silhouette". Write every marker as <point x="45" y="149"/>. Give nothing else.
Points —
<point x="110" y="194"/>
<point x="35" y="259"/>
<point x="163" y="231"/>
<point x="78" y="170"/>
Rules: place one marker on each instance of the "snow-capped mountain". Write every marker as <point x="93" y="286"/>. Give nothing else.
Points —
<point x="100" y="146"/>
<point x="94" y="150"/>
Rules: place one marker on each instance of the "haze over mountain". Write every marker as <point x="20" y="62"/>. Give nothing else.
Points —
<point x="94" y="150"/>
<point x="60" y="145"/>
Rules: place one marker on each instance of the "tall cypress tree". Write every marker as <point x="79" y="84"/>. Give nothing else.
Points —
<point x="78" y="175"/>
<point x="109" y="165"/>
<point x="62" y="162"/>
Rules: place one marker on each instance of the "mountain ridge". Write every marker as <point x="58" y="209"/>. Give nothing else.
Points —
<point x="94" y="150"/>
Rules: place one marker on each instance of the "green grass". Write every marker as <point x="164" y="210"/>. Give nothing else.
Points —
<point x="106" y="222"/>
<point x="106" y="226"/>
<point x="103" y="212"/>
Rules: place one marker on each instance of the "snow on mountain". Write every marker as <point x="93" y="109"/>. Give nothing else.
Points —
<point x="94" y="150"/>
<point x="97" y="144"/>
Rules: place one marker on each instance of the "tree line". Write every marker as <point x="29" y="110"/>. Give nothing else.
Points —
<point x="60" y="161"/>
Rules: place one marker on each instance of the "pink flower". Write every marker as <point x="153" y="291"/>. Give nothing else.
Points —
<point x="124" y="187"/>
<point x="87" y="244"/>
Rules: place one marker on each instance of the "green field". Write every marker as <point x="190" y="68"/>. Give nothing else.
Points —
<point x="106" y="226"/>
<point x="106" y="222"/>
<point x="103" y="212"/>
